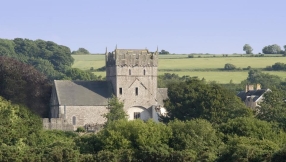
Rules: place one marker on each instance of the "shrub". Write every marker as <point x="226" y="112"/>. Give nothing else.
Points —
<point x="80" y="129"/>
<point x="229" y="66"/>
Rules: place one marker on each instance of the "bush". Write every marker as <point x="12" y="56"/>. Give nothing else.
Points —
<point x="229" y="66"/>
<point x="80" y="129"/>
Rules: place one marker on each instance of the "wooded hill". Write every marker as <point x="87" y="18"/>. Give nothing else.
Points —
<point x="205" y="121"/>
<point x="49" y="58"/>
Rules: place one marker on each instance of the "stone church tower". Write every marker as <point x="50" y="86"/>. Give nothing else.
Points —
<point x="133" y="75"/>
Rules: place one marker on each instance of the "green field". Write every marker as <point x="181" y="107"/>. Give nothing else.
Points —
<point x="201" y="67"/>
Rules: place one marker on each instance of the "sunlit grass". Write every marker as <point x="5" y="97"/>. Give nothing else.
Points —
<point x="200" y="67"/>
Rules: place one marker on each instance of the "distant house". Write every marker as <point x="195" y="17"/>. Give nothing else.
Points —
<point x="252" y="97"/>
<point x="131" y="75"/>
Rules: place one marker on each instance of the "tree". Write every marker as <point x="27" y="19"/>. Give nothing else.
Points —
<point x="23" y="84"/>
<point x="49" y="58"/>
<point x="273" y="108"/>
<point x="229" y="66"/>
<point x="247" y="48"/>
<point x="148" y="139"/>
<point x="197" y="136"/>
<point x="81" y="51"/>
<point x="247" y="149"/>
<point x="272" y="49"/>
<point x="279" y="66"/>
<point x="116" y="111"/>
<point x="253" y="128"/>
<point x="77" y="74"/>
<point x="196" y="99"/>
<point x="164" y="52"/>
<point x="266" y="80"/>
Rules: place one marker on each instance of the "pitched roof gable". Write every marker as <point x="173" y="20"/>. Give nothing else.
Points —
<point x="162" y="94"/>
<point x="82" y="93"/>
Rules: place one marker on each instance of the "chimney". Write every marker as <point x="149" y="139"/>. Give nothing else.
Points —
<point x="258" y="87"/>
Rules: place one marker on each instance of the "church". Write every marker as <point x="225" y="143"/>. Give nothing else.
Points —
<point x="131" y="76"/>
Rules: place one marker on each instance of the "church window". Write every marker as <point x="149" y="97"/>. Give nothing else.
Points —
<point x="136" y="91"/>
<point x="129" y="71"/>
<point x="120" y="91"/>
<point x="144" y="72"/>
<point x="136" y="115"/>
<point x="74" y="120"/>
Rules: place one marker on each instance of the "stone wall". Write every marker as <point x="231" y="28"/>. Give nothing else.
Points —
<point x="83" y="114"/>
<point x="57" y="124"/>
<point x="61" y="124"/>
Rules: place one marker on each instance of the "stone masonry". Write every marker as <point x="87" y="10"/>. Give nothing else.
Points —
<point x="133" y="74"/>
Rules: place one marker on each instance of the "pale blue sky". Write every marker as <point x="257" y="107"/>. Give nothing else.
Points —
<point x="179" y="26"/>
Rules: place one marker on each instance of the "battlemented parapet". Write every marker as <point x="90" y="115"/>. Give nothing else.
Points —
<point x="131" y="57"/>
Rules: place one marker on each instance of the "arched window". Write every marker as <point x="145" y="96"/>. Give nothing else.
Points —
<point x="74" y="120"/>
<point x="144" y="72"/>
<point x="129" y="71"/>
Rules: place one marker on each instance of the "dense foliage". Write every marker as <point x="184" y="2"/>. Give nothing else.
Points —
<point x="116" y="111"/>
<point x="228" y="132"/>
<point x="247" y="48"/>
<point x="51" y="59"/>
<point x="279" y="66"/>
<point x="229" y="66"/>
<point x="272" y="49"/>
<point x="22" y="137"/>
<point x="167" y="78"/>
<point x="23" y="84"/>
<point x="164" y="52"/>
<point x="81" y="51"/>
<point x="266" y="80"/>
<point x="196" y="99"/>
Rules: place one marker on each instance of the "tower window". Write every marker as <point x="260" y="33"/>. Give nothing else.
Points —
<point x="144" y="72"/>
<point x="129" y="71"/>
<point x="120" y="91"/>
<point x="136" y="91"/>
<point x="74" y="120"/>
<point x="136" y="115"/>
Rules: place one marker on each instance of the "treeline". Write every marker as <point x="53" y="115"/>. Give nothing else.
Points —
<point x="278" y="66"/>
<point x="81" y="51"/>
<point x="254" y="76"/>
<point x="49" y="58"/>
<point x="274" y="49"/>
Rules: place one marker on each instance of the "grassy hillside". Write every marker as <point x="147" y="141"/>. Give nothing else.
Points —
<point x="204" y="67"/>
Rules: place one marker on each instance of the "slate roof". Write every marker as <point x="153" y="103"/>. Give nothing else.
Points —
<point x="254" y="93"/>
<point x="162" y="94"/>
<point x="82" y="93"/>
